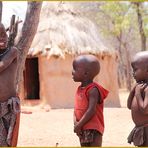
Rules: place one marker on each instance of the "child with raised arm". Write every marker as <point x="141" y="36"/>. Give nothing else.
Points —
<point x="9" y="101"/>
<point x="89" y="101"/>
<point x="138" y="100"/>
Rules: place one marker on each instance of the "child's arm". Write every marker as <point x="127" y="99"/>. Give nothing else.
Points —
<point x="74" y="119"/>
<point x="93" y="100"/>
<point x="8" y="59"/>
<point x="130" y="97"/>
<point x="142" y="100"/>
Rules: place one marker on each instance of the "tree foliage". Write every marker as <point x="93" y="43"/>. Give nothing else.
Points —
<point x="118" y="22"/>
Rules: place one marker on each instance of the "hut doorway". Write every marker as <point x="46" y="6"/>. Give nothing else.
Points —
<point x="31" y="79"/>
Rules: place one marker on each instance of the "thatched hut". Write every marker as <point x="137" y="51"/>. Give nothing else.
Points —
<point x="63" y="34"/>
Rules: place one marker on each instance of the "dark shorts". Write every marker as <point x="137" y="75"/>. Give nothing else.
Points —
<point x="88" y="136"/>
<point x="139" y="136"/>
<point x="8" y="119"/>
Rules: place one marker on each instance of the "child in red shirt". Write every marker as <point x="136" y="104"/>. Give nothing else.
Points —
<point x="88" y="110"/>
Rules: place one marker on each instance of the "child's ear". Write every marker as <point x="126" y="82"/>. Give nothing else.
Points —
<point x="86" y="73"/>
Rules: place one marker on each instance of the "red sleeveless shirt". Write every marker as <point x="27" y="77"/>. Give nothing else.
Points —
<point x="81" y="105"/>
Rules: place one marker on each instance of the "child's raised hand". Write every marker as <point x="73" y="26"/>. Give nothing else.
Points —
<point x="146" y="89"/>
<point x="133" y="89"/>
<point x="140" y="88"/>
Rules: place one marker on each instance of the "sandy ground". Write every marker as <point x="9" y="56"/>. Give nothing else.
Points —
<point x="43" y="128"/>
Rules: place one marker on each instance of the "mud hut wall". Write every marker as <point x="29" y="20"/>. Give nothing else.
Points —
<point x="56" y="84"/>
<point x="108" y="78"/>
<point x="58" y="89"/>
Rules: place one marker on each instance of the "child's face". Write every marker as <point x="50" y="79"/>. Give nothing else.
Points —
<point x="139" y="72"/>
<point x="3" y="38"/>
<point x="78" y="71"/>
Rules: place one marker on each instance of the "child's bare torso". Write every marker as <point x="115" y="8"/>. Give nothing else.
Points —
<point x="139" y="118"/>
<point x="7" y="82"/>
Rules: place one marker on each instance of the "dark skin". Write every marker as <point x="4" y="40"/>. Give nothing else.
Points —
<point x="138" y="97"/>
<point x="8" y="67"/>
<point x="85" y="68"/>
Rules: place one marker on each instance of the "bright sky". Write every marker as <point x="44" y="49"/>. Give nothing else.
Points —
<point x="13" y="7"/>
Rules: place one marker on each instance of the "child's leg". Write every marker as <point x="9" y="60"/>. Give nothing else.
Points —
<point x="146" y="136"/>
<point x="97" y="140"/>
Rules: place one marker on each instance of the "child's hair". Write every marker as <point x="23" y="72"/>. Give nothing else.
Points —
<point x="141" y="58"/>
<point x="91" y="63"/>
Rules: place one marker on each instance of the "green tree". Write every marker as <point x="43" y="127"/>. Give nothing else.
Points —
<point x="142" y="19"/>
<point x="116" y="26"/>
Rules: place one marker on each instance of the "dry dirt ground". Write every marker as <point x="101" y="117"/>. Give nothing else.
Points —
<point x="42" y="128"/>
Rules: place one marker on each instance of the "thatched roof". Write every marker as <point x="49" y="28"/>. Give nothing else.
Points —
<point x="62" y="31"/>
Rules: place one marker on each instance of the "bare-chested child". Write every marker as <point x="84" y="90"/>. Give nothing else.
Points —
<point x="138" y="100"/>
<point x="9" y="102"/>
<point x="89" y="98"/>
